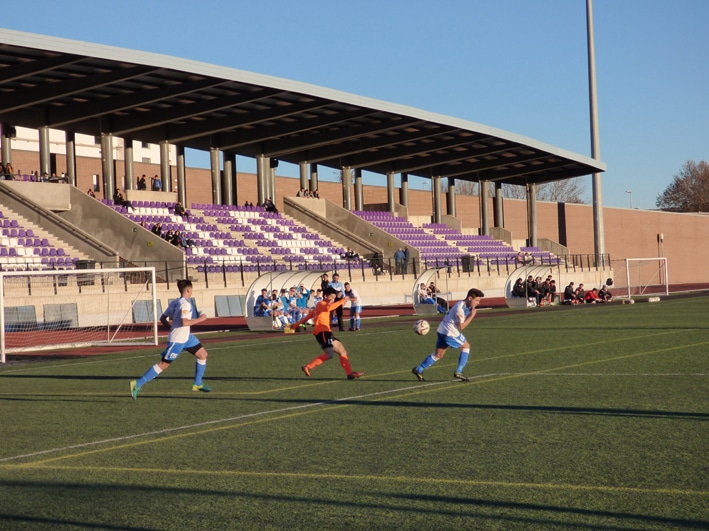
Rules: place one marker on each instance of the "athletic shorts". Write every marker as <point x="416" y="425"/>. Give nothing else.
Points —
<point x="325" y="339"/>
<point x="445" y="341"/>
<point x="192" y="345"/>
<point x="355" y="309"/>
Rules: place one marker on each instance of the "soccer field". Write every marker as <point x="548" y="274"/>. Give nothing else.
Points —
<point x="574" y="418"/>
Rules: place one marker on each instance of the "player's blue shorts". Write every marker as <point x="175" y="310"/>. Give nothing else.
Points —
<point x="355" y="309"/>
<point x="192" y="345"/>
<point x="445" y="341"/>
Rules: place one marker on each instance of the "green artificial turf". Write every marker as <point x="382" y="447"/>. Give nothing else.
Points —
<point x="574" y="418"/>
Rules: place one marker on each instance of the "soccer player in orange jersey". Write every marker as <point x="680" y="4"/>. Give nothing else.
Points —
<point x="323" y="334"/>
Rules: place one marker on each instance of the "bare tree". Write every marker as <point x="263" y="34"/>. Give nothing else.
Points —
<point x="689" y="191"/>
<point x="564" y="191"/>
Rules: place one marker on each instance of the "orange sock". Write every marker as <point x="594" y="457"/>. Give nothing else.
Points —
<point x="317" y="361"/>
<point x="345" y="362"/>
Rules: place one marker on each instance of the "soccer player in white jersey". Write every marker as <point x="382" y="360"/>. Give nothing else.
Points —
<point x="178" y="317"/>
<point x="355" y="306"/>
<point x="450" y="334"/>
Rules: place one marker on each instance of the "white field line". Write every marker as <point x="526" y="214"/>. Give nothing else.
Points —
<point x="226" y="420"/>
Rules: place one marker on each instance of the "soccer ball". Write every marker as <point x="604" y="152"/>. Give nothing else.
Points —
<point x="421" y="327"/>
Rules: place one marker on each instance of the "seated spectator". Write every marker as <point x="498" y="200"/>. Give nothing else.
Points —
<point x="91" y="193"/>
<point x="424" y="295"/>
<point x="261" y="304"/>
<point x="552" y="290"/>
<point x="157" y="229"/>
<point x="169" y="235"/>
<point x="591" y="297"/>
<point x="350" y="255"/>
<point x="269" y="206"/>
<point x="604" y="294"/>
<point x="570" y="294"/>
<point x="533" y="289"/>
<point x="119" y="200"/>
<point x="519" y="290"/>
<point x="180" y="210"/>
<point x="9" y="170"/>
<point x="580" y="294"/>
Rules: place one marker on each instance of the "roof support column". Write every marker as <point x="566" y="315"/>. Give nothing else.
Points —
<point x="165" y="173"/>
<point x="436" y="193"/>
<point x="498" y="208"/>
<point x="229" y="178"/>
<point x="45" y="158"/>
<point x="532" y="214"/>
<point x="359" y="194"/>
<point x="7" y="131"/>
<point x="127" y="163"/>
<point x="106" y="165"/>
<point x="181" y="181"/>
<point x="313" y="177"/>
<point x="390" y="192"/>
<point x="214" y="169"/>
<point x="70" y="141"/>
<point x="347" y="188"/>
<point x="262" y="170"/>
<point x="272" y="164"/>
<point x="450" y="198"/>
<point x="404" y="190"/>
<point x="303" y="166"/>
<point x="484" y="211"/>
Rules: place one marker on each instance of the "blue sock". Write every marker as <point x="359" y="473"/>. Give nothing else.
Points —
<point x="425" y="364"/>
<point x="462" y="360"/>
<point x="352" y="322"/>
<point x="357" y="323"/>
<point x="150" y="374"/>
<point x="199" y="369"/>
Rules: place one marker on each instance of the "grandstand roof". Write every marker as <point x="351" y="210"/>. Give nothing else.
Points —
<point x="93" y="89"/>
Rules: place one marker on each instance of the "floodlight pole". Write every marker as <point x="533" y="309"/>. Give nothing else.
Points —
<point x="598" y="231"/>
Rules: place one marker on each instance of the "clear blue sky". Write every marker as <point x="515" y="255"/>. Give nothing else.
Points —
<point x="517" y="65"/>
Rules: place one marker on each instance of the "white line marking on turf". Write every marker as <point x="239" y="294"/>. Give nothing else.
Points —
<point x="230" y="419"/>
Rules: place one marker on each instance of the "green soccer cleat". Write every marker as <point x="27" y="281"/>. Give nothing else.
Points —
<point x="134" y="390"/>
<point x="203" y="388"/>
<point x="461" y="376"/>
<point x="418" y="374"/>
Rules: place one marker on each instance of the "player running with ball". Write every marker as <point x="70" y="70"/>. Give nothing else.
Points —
<point x="450" y="334"/>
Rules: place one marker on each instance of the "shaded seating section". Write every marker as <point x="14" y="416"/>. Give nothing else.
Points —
<point x="22" y="250"/>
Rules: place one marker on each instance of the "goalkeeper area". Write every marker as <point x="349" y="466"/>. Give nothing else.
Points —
<point x="602" y="423"/>
<point x="42" y="310"/>
<point x="640" y="277"/>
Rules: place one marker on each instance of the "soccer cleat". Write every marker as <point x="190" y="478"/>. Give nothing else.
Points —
<point x="134" y="390"/>
<point x="351" y="330"/>
<point x="203" y="388"/>
<point x="461" y="376"/>
<point x="418" y="374"/>
<point x="355" y="375"/>
<point x="306" y="370"/>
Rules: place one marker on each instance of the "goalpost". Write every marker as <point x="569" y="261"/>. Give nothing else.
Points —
<point x="642" y="277"/>
<point x="43" y="310"/>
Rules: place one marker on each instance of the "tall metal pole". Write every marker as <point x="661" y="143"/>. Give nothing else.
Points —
<point x="598" y="231"/>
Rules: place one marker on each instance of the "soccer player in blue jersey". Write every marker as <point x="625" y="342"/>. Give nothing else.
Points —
<point x="178" y="317"/>
<point x="450" y="334"/>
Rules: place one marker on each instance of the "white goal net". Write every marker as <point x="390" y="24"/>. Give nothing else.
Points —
<point x="42" y="310"/>
<point x="638" y="277"/>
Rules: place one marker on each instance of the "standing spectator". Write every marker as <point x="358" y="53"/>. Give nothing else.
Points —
<point x="156" y="183"/>
<point x="340" y="290"/>
<point x="324" y="282"/>
<point x="398" y="261"/>
<point x="407" y="256"/>
<point x="355" y="307"/>
<point x="141" y="183"/>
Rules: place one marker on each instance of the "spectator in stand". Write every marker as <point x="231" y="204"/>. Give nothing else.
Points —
<point x="169" y="235"/>
<point x="157" y="229"/>
<point x="156" y="184"/>
<point x="141" y="183"/>
<point x="91" y="193"/>
<point x="315" y="194"/>
<point x="9" y="170"/>
<point x="592" y="297"/>
<point x="180" y="210"/>
<point x="355" y="307"/>
<point x="519" y="290"/>
<point x="119" y="200"/>
<point x="570" y="294"/>
<point x="270" y="206"/>
<point x="399" y="261"/>
<point x="407" y="257"/>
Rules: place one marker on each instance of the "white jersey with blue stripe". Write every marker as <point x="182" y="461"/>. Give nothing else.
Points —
<point x="176" y="311"/>
<point x="450" y="325"/>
